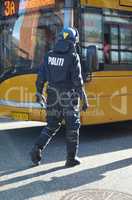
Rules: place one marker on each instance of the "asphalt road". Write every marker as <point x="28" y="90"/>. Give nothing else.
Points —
<point x="105" y="152"/>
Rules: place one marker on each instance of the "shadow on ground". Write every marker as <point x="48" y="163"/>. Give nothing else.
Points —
<point x="116" y="137"/>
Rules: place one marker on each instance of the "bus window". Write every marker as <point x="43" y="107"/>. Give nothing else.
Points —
<point x="92" y="32"/>
<point x="106" y="44"/>
<point x="126" y="44"/>
<point x="46" y="34"/>
<point x="119" y="38"/>
<point x="25" y="39"/>
<point x="6" y="45"/>
<point x="114" y="44"/>
<point x="121" y="44"/>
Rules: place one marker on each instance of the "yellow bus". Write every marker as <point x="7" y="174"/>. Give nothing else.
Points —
<point x="28" y="29"/>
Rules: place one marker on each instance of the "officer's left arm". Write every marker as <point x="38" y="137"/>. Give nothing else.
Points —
<point x="78" y="81"/>
<point x="76" y="73"/>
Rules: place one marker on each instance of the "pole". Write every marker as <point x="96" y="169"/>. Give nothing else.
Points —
<point x="68" y="13"/>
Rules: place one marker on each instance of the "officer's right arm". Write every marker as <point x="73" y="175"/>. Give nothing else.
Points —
<point x="41" y="79"/>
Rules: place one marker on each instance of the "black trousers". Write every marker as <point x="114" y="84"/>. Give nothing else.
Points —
<point x="62" y="105"/>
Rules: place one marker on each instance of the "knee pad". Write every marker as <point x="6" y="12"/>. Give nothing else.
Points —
<point x="74" y="125"/>
<point x="72" y="135"/>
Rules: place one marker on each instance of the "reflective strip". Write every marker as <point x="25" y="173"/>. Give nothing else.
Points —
<point x="21" y="104"/>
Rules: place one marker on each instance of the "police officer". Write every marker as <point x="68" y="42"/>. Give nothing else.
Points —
<point x="62" y="70"/>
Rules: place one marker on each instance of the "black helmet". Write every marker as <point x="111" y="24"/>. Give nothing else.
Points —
<point x="69" y="33"/>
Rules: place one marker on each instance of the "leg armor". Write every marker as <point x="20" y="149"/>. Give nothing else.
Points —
<point x="72" y="137"/>
<point x="45" y="136"/>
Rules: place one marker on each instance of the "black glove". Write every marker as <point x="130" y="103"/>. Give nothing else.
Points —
<point x="85" y="104"/>
<point x="84" y="99"/>
<point x="41" y="99"/>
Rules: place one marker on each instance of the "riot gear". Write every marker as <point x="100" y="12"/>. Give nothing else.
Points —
<point x="62" y="70"/>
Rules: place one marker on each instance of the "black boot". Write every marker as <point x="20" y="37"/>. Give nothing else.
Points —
<point x="36" y="155"/>
<point x="71" y="162"/>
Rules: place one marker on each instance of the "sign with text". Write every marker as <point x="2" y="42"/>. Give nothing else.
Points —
<point x="33" y="4"/>
<point x="11" y="7"/>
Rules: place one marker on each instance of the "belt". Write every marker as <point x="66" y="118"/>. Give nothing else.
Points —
<point x="64" y="86"/>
